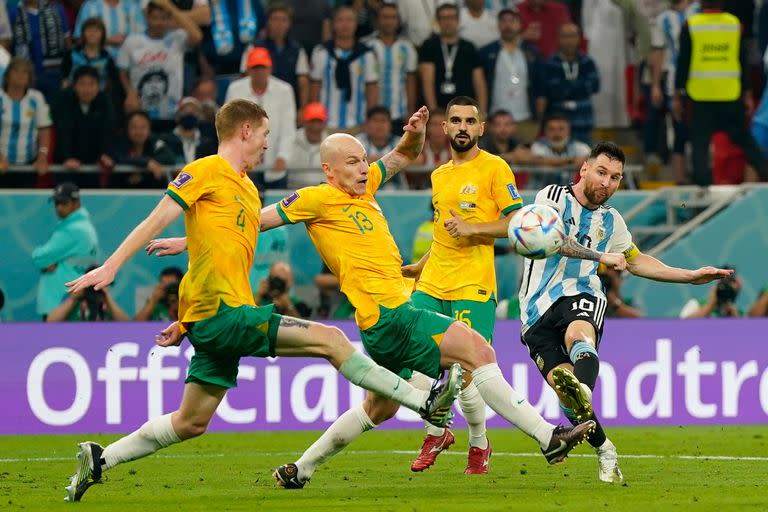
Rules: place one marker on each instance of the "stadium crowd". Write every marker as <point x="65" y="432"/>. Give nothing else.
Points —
<point x="121" y="93"/>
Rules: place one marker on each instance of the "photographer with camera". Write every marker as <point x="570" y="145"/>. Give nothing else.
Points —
<point x="88" y="306"/>
<point x="163" y="304"/>
<point x="721" y="301"/>
<point x="275" y="289"/>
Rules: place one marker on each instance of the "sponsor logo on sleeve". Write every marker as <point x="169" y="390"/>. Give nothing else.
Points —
<point x="513" y="192"/>
<point x="182" y="179"/>
<point x="288" y="201"/>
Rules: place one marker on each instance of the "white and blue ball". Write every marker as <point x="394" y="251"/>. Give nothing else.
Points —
<point x="536" y="232"/>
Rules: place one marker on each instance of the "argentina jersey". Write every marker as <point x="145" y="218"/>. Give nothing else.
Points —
<point x="124" y="18"/>
<point x="343" y="112"/>
<point x="20" y="123"/>
<point x="395" y="63"/>
<point x="545" y="281"/>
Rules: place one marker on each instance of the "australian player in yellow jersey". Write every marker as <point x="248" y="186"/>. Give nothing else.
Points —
<point x="216" y="306"/>
<point x="474" y="196"/>
<point x="351" y="234"/>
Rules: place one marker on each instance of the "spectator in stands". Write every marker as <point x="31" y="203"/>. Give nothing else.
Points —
<point x="85" y="121"/>
<point x="187" y="142"/>
<point x="149" y="154"/>
<point x="398" y="63"/>
<point x="276" y="289"/>
<point x="557" y="148"/>
<point x="92" y="52"/>
<point x="571" y="78"/>
<point x="72" y="247"/>
<point x="6" y="34"/>
<point x="5" y="59"/>
<point x="152" y="64"/>
<point x="206" y="91"/>
<point x="344" y="74"/>
<point x="477" y="24"/>
<point x="449" y="66"/>
<point x="311" y="22"/>
<point x="542" y="20"/>
<point x="514" y="71"/>
<point x="25" y="119"/>
<point x="163" y="303"/>
<point x="436" y="152"/>
<point x="377" y="138"/>
<point x="500" y="139"/>
<point x="88" y="306"/>
<point x="41" y="34"/>
<point x="715" y="79"/>
<point x="306" y="148"/>
<point x="665" y="44"/>
<point x="277" y="99"/>
<point x="721" y="301"/>
<point x="760" y="307"/>
<point x="418" y="19"/>
<point x="618" y="306"/>
<point x="289" y="60"/>
<point x="124" y="17"/>
<point x="234" y="24"/>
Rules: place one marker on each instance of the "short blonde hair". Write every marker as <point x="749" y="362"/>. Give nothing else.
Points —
<point x="234" y="114"/>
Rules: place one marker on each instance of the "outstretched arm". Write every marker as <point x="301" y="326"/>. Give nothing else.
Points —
<point x="573" y="249"/>
<point x="458" y="227"/>
<point x="166" y="211"/>
<point x="270" y="218"/>
<point x="410" y="145"/>
<point x="647" y="266"/>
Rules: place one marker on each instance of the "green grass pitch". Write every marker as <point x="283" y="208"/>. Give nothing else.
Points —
<point x="671" y="468"/>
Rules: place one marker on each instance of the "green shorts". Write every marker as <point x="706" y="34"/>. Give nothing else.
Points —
<point x="221" y="340"/>
<point x="480" y="316"/>
<point x="406" y="338"/>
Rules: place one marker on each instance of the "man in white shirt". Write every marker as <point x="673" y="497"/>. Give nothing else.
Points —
<point x="477" y="24"/>
<point x="277" y="99"/>
<point x="306" y="148"/>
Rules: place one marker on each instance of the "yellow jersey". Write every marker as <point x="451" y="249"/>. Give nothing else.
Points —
<point x="481" y="190"/>
<point x="353" y="239"/>
<point x="222" y="212"/>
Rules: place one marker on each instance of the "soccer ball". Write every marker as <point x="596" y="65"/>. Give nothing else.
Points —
<point x="536" y="232"/>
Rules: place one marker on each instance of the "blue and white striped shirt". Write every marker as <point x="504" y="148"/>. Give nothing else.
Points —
<point x="342" y="114"/>
<point x="124" y="18"/>
<point x="395" y="62"/>
<point x="547" y="280"/>
<point x="19" y="125"/>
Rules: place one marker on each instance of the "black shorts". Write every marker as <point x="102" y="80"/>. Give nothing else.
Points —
<point x="546" y="339"/>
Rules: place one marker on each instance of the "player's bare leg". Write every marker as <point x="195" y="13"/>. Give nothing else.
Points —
<point x="462" y="345"/>
<point x="301" y="338"/>
<point x="191" y="420"/>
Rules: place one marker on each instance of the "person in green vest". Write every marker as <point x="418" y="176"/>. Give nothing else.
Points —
<point x="422" y="239"/>
<point x="712" y="71"/>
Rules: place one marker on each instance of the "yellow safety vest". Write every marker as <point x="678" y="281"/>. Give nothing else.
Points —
<point x="715" y="72"/>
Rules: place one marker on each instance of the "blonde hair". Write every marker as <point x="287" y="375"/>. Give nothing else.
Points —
<point x="234" y="114"/>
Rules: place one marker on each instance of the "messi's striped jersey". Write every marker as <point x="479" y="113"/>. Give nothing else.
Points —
<point x="545" y="281"/>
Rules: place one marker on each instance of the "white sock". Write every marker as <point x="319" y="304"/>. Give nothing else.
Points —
<point x="421" y="381"/>
<point x="500" y="397"/>
<point x="361" y="370"/>
<point x="473" y="408"/>
<point x="151" y="436"/>
<point x="342" y="432"/>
